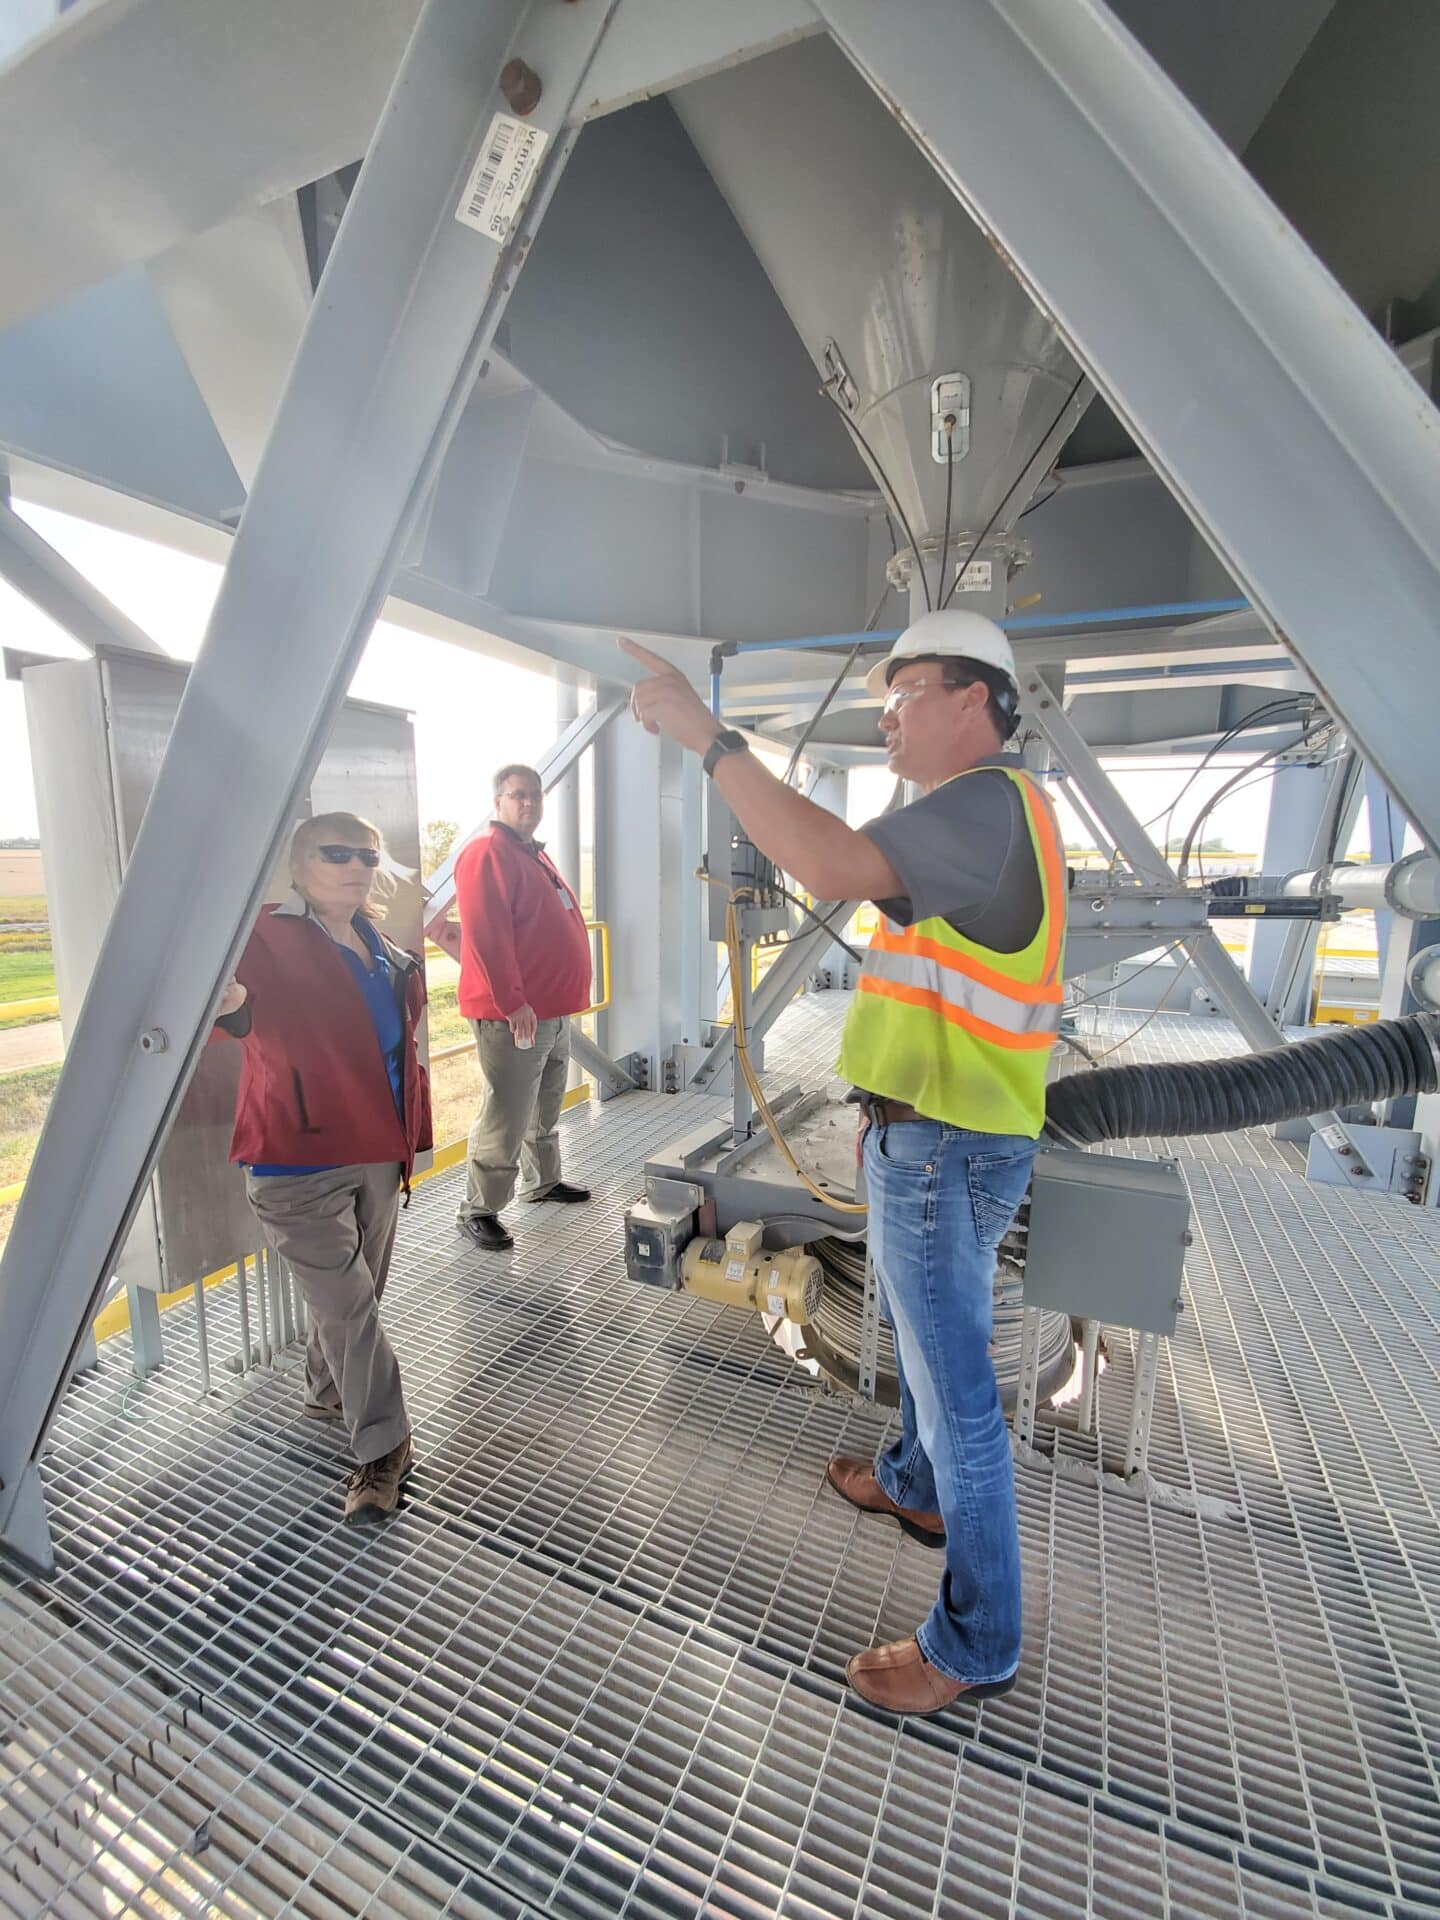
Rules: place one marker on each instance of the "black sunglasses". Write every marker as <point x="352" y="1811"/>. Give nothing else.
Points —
<point x="342" y="856"/>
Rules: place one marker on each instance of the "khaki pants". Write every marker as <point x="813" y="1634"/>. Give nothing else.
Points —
<point x="336" y="1231"/>
<point x="516" y="1127"/>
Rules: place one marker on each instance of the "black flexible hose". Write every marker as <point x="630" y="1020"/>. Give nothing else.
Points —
<point x="1349" y="1068"/>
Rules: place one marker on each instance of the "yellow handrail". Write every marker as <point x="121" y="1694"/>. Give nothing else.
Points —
<point x="602" y="928"/>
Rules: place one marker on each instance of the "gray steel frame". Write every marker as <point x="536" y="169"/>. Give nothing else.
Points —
<point x="778" y="987"/>
<point x="1294" y="970"/>
<point x="411" y="301"/>
<point x="405" y="313"/>
<point x="1216" y="968"/>
<point x="1281" y="373"/>
<point x="47" y="579"/>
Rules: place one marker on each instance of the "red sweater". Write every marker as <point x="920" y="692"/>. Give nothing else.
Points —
<point x="314" y="1090"/>
<point x="522" y="934"/>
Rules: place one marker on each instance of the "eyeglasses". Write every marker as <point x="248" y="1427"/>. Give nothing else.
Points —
<point x="526" y="794"/>
<point x="342" y="856"/>
<point x="901" y="696"/>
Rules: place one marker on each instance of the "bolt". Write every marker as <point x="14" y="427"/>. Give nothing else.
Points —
<point x="154" y="1040"/>
<point x="1360" y="1173"/>
<point x="520" y="85"/>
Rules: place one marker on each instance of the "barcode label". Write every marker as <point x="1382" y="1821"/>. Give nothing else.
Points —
<point x="501" y="177"/>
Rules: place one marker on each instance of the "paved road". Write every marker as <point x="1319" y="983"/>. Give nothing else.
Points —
<point x="38" y="1045"/>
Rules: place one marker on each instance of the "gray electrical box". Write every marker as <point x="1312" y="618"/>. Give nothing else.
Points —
<point x="658" y="1228"/>
<point x="1107" y="1239"/>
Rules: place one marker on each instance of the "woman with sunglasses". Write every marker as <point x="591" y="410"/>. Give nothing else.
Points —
<point x="332" y="1109"/>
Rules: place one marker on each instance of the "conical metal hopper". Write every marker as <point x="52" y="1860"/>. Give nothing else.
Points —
<point x="889" y="282"/>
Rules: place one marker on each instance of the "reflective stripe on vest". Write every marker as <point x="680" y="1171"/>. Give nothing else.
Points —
<point x="958" y="1030"/>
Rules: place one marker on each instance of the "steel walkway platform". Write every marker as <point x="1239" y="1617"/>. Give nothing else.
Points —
<point x="595" y="1666"/>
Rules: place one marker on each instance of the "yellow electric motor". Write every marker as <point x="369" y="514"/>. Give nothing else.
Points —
<point x="739" y="1272"/>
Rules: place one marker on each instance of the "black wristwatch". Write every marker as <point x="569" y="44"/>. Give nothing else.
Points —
<point x="727" y="742"/>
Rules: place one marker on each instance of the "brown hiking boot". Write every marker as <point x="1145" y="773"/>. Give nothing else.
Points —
<point x="854" y="1480"/>
<point x="374" y="1489"/>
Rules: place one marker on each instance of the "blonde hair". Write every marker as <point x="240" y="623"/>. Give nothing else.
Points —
<point x="322" y="828"/>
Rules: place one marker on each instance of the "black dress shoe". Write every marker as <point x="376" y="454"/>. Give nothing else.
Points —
<point x="486" y="1231"/>
<point x="565" y="1193"/>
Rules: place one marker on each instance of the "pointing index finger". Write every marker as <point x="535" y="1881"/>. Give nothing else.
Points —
<point x="646" y="658"/>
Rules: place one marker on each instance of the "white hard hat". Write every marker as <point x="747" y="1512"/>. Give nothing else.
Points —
<point x="954" y="634"/>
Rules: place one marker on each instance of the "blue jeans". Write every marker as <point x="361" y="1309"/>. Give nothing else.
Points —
<point x="941" y="1199"/>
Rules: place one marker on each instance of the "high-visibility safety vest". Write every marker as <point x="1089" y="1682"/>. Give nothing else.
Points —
<point x="956" y="1030"/>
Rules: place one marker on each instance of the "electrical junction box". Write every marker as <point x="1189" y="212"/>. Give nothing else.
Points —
<point x="658" y="1228"/>
<point x="1107" y="1239"/>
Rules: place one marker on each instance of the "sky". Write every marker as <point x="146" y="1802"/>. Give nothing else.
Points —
<point x="471" y="713"/>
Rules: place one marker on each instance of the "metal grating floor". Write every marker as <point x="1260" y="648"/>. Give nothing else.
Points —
<point x="595" y="1666"/>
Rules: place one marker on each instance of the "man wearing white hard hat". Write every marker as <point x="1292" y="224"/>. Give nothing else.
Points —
<point x="957" y="1011"/>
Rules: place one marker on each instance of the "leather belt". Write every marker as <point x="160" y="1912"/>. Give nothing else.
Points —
<point x="885" y="1113"/>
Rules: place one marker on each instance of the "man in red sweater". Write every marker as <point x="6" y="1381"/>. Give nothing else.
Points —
<point x="524" y="969"/>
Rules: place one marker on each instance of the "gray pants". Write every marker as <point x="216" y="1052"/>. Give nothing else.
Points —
<point x="516" y="1127"/>
<point x="336" y="1231"/>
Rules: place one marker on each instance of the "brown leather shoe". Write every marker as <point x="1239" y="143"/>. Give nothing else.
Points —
<point x="900" y="1679"/>
<point x="854" y="1480"/>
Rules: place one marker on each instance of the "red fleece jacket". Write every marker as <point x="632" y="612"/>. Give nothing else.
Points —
<point x="522" y="934"/>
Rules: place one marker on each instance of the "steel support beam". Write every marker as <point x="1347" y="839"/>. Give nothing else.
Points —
<point x="47" y="579"/>
<point x="1282" y="970"/>
<point x="648" y="844"/>
<point x="1387" y="843"/>
<point x="1243" y="365"/>
<point x="405" y="312"/>
<point x="1219" y="972"/>
<point x="658" y="45"/>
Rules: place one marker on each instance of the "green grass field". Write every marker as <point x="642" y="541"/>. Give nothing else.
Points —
<point x="26" y="974"/>
<point x="24" y="1102"/>
<point x="24" y="908"/>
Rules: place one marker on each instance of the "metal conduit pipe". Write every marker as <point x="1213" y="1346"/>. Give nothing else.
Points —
<point x="1409" y="887"/>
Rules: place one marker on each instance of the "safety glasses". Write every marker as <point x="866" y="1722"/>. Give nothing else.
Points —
<point x="342" y="856"/>
<point x="899" y="697"/>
